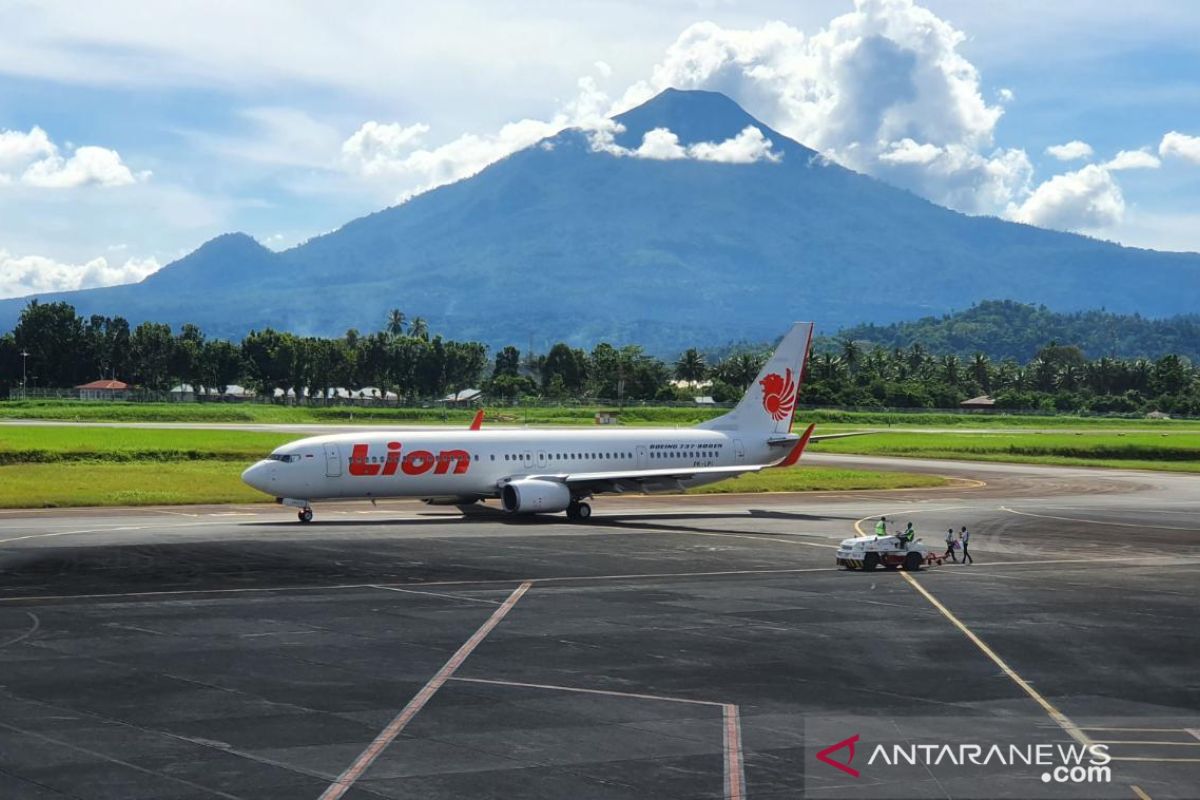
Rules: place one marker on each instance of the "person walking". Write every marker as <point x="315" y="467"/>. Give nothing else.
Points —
<point x="964" y="537"/>
<point x="950" y="545"/>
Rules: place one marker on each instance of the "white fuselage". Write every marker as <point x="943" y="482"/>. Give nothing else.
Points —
<point x="474" y="464"/>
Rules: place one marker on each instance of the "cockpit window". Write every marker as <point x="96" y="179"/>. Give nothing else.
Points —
<point x="286" y="458"/>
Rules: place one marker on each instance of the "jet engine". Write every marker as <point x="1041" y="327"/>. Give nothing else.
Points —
<point x="535" y="496"/>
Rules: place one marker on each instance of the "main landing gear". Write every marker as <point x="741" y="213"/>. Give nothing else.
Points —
<point x="578" y="510"/>
<point x="305" y="515"/>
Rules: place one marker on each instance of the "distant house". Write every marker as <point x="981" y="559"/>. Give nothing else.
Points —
<point x="103" y="390"/>
<point x="706" y="400"/>
<point x="983" y="402"/>
<point x="1158" y="415"/>
<point x="186" y="393"/>
<point x="463" y="398"/>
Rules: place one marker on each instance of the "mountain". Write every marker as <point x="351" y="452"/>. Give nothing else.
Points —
<point x="1004" y="329"/>
<point x="561" y="241"/>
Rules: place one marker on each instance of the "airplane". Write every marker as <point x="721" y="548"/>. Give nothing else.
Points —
<point x="548" y="471"/>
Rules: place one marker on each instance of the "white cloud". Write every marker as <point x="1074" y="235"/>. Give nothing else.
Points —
<point x="748" y="146"/>
<point x="906" y="151"/>
<point x="1180" y="145"/>
<point x="393" y="152"/>
<point x="1071" y="151"/>
<point x="1083" y="200"/>
<point x="662" y="144"/>
<point x="882" y="89"/>
<point x="1132" y="159"/>
<point x="34" y="160"/>
<point x="23" y="275"/>
<point x="376" y="146"/>
<point x="18" y="149"/>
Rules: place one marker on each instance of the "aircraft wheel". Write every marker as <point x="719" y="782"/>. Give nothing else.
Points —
<point x="305" y="515"/>
<point x="583" y="511"/>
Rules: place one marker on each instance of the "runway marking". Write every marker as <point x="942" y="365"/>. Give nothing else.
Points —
<point x="111" y="760"/>
<point x="735" y="778"/>
<point x="1157" y="744"/>
<point x="347" y="779"/>
<point x="1060" y="718"/>
<point x="435" y="594"/>
<point x="752" y="536"/>
<point x="858" y="523"/>
<point x="1140" y="525"/>
<point x="479" y="582"/>
<point x="1136" y="730"/>
<point x="1137" y="791"/>
<point x="1193" y="732"/>
<point x="1156" y="760"/>
<point x="37" y="623"/>
<point x="110" y="530"/>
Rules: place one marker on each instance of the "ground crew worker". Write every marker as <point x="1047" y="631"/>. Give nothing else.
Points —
<point x="950" y="545"/>
<point x="881" y="527"/>
<point x="906" y="536"/>
<point x="964" y="537"/>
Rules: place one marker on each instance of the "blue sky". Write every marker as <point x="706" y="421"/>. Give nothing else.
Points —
<point x="130" y="134"/>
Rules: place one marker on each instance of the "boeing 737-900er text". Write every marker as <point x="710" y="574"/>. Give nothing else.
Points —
<point x="546" y="471"/>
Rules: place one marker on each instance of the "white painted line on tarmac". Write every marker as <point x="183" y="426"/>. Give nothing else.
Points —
<point x="632" y="576"/>
<point x="1060" y="718"/>
<point x="1138" y="525"/>
<point x="347" y="779"/>
<point x="37" y="623"/>
<point x="436" y="594"/>
<point x="731" y="724"/>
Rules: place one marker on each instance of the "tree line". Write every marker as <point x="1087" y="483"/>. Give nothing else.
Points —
<point x="407" y="359"/>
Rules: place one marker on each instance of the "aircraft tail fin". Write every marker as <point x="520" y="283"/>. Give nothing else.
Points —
<point x="766" y="407"/>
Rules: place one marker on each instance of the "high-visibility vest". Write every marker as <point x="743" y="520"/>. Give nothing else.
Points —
<point x="881" y="528"/>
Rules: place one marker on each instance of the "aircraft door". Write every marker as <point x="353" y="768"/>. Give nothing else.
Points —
<point x="739" y="452"/>
<point x="643" y="461"/>
<point x="333" y="460"/>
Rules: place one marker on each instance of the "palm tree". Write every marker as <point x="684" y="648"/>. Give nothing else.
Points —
<point x="950" y="369"/>
<point x="691" y="366"/>
<point x="981" y="371"/>
<point x="851" y="354"/>
<point x="419" y="329"/>
<point x="395" y="322"/>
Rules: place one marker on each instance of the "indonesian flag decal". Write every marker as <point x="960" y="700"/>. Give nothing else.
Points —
<point x="779" y="394"/>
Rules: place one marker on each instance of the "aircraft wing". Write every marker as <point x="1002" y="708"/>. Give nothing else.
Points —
<point x="637" y="479"/>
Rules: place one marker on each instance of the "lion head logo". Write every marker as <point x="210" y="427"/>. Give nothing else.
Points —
<point x="779" y="394"/>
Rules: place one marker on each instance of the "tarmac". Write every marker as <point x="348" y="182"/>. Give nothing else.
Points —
<point x="669" y="647"/>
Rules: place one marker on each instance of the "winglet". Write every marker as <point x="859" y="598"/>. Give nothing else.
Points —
<point x="794" y="456"/>
<point x="477" y="423"/>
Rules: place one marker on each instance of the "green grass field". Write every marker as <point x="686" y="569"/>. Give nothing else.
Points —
<point x="1177" y="451"/>
<point x="67" y="410"/>
<point x="88" y="466"/>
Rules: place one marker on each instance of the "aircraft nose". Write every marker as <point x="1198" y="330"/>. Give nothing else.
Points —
<point x="259" y="477"/>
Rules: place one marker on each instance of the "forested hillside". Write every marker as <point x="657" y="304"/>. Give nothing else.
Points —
<point x="1007" y="329"/>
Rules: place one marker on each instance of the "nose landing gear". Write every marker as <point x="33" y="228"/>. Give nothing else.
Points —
<point x="305" y="515"/>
